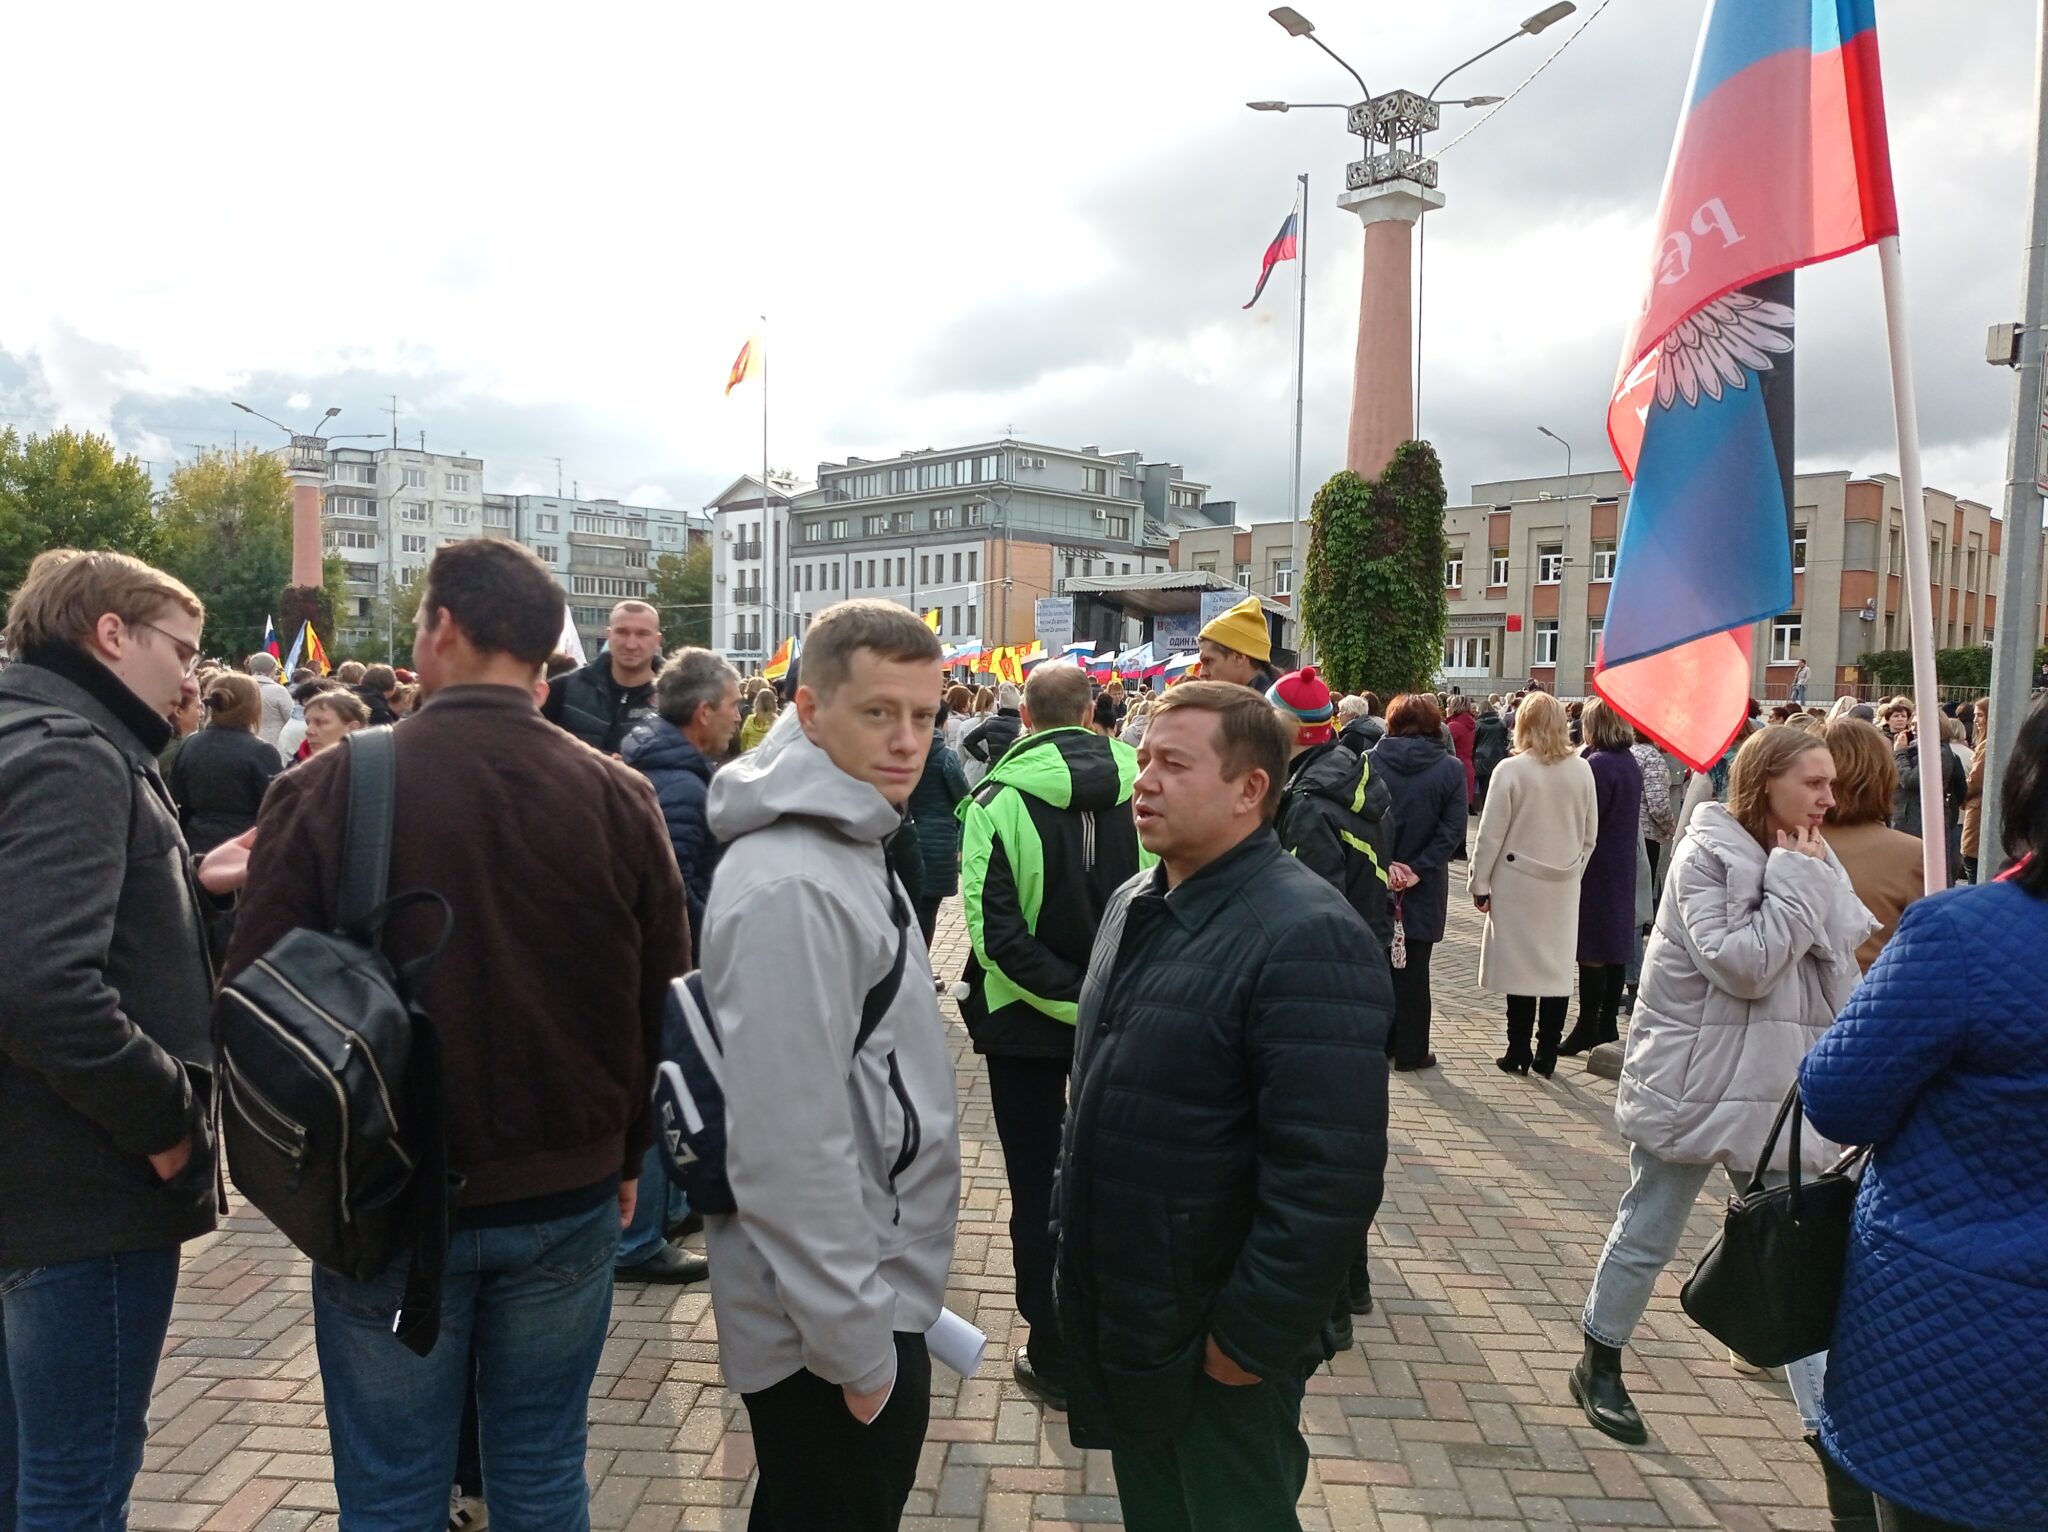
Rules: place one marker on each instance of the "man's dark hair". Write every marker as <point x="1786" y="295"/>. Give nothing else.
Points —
<point x="1249" y="731"/>
<point x="691" y="678"/>
<point x="891" y="631"/>
<point x="503" y="596"/>
<point x="560" y="664"/>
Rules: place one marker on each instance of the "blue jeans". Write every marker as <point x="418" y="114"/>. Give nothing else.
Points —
<point x="530" y="1302"/>
<point x="79" y="1344"/>
<point x="661" y="1204"/>
<point x="1647" y="1229"/>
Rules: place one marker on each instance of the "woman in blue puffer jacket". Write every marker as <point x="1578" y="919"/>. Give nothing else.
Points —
<point x="1937" y="1385"/>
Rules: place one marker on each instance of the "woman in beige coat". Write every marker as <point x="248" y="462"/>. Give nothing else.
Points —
<point x="1535" y="835"/>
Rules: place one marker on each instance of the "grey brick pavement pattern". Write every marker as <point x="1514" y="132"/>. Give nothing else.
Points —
<point x="1451" y="1414"/>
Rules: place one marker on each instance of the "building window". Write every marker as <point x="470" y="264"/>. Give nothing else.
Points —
<point x="1454" y="573"/>
<point x="1095" y="480"/>
<point x="973" y="566"/>
<point x="973" y="619"/>
<point x="873" y="526"/>
<point x="547" y="553"/>
<point x="457" y="515"/>
<point x="1498" y="575"/>
<point x="1119" y="526"/>
<point x="1283" y="577"/>
<point x="1546" y="642"/>
<point x="352" y="540"/>
<point x="409" y="575"/>
<point x="668" y="535"/>
<point x="547" y="521"/>
<point x="924" y="569"/>
<point x="1785" y="639"/>
<point x="413" y="510"/>
<point x="944" y="516"/>
<point x="415" y="478"/>
<point x="956" y="569"/>
<point x="1594" y="629"/>
<point x="812" y="531"/>
<point x="956" y="621"/>
<point x="412" y="543"/>
<point x="497" y="516"/>
<point x="458" y="483"/>
<point x="901" y="565"/>
<point x="807" y="576"/>
<point x="974" y="515"/>
<point x="1468" y="654"/>
<point x="835" y="577"/>
<point x="1799" y="551"/>
<point x="1243" y="576"/>
<point x="1549" y="563"/>
<point x="605" y="585"/>
<point x="1603" y="561"/>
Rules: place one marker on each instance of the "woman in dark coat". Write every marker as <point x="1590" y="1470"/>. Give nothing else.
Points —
<point x="938" y="791"/>
<point x="1489" y="748"/>
<point x="1428" y="787"/>
<point x="221" y="773"/>
<point x="1464" y="731"/>
<point x="1607" y="894"/>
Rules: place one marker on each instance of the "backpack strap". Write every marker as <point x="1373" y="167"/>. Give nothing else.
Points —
<point x="21" y="718"/>
<point x="883" y="995"/>
<point x="366" y="853"/>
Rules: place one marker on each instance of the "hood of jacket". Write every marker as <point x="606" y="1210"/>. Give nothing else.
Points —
<point x="787" y="775"/>
<point x="1069" y="768"/>
<point x="1408" y="755"/>
<point x="1361" y="734"/>
<point x="658" y="745"/>
<point x="1338" y="772"/>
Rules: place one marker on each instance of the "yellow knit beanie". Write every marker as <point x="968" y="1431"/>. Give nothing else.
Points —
<point x="1243" y="628"/>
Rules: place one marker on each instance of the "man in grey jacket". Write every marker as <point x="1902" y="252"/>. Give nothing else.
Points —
<point x="105" y="1052"/>
<point x="843" y="1155"/>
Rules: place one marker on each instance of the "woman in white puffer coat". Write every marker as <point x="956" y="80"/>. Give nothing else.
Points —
<point x="1752" y="956"/>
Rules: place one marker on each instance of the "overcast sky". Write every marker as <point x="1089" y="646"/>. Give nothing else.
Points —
<point x="548" y="230"/>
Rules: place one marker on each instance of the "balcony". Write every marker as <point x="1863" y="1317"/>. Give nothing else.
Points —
<point x="746" y="550"/>
<point x="746" y="595"/>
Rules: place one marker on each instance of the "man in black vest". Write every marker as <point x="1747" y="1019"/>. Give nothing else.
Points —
<point x="601" y="702"/>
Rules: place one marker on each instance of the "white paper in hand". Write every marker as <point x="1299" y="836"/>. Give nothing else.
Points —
<point x="956" y="1343"/>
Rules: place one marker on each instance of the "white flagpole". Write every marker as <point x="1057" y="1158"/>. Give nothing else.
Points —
<point x="1298" y="549"/>
<point x="1919" y="574"/>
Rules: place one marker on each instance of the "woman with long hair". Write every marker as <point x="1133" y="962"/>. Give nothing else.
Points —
<point x="1937" y="1380"/>
<point x="754" y="728"/>
<point x="1539" y="828"/>
<point x="1607" y="893"/>
<point x="1753" y="952"/>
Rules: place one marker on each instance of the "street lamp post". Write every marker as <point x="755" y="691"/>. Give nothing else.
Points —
<point x="1545" y="430"/>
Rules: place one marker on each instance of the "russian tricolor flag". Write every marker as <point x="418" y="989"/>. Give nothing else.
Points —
<point x="1780" y="162"/>
<point x="1283" y="248"/>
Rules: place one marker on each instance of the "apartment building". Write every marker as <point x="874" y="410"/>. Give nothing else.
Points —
<point x="1259" y="558"/>
<point x="599" y="550"/>
<point x="385" y="510"/>
<point x="979" y="532"/>
<point x="1530" y="562"/>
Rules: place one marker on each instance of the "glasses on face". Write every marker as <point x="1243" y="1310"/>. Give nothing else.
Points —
<point x="188" y="654"/>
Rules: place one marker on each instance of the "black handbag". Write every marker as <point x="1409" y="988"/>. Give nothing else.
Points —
<point x="1769" y="1286"/>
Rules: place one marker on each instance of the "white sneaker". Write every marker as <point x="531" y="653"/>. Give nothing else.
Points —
<point x="1742" y="1364"/>
<point x="466" y="1513"/>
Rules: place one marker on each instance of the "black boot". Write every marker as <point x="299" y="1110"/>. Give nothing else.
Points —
<point x="1586" y="1030"/>
<point x="1850" y="1505"/>
<point x="1547" y="1030"/>
<point x="1516" y="1061"/>
<point x="1584" y="1034"/>
<point x="1608" y="1022"/>
<point x="1596" y="1384"/>
<point x="1358" y="1288"/>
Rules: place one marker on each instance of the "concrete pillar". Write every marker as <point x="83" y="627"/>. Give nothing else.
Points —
<point x="1383" y="371"/>
<point x="307" y="552"/>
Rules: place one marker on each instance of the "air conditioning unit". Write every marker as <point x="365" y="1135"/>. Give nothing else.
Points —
<point x="1038" y="462"/>
<point x="726" y="534"/>
<point x="721" y="579"/>
<point x="1101" y="514"/>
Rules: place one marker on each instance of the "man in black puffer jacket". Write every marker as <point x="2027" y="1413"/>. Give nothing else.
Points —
<point x="1226" y="1137"/>
<point x="987" y="740"/>
<point x="1333" y="814"/>
<point x="603" y="701"/>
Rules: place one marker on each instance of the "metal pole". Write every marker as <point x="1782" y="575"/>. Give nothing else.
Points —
<point x="768" y="529"/>
<point x="1298" y="554"/>
<point x="2019" y="592"/>
<point x="1919" y="576"/>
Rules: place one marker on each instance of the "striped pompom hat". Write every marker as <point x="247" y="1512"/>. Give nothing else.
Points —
<point x="1303" y="696"/>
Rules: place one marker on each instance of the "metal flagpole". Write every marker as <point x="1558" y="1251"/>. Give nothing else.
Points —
<point x="777" y="537"/>
<point x="1919" y="574"/>
<point x="1298" y="549"/>
<point x="2019" y="597"/>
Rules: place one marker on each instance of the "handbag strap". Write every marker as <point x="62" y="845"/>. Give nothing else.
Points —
<point x="366" y="848"/>
<point x="1789" y="1107"/>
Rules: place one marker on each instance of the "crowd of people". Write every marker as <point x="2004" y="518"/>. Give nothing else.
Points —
<point x="1200" y="924"/>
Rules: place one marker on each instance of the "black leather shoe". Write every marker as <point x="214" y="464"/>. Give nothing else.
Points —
<point x="1596" y="1385"/>
<point x="1050" y="1391"/>
<point x="1427" y="1061"/>
<point x="692" y="1223"/>
<point x="1585" y="1034"/>
<point x="667" y="1264"/>
<point x="1851" y="1507"/>
<point x="1358" y="1296"/>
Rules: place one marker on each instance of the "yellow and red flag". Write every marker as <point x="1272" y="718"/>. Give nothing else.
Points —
<point x="316" y="656"/>
<point x="778" y="662"/>
<point x="746" y="365"/>
<point x="931" y="619"/>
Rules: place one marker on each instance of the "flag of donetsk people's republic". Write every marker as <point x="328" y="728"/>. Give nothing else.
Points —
<point x="1282" y="249"/>
<point x="1780" y="161"/>
<point x="746" y="365"/>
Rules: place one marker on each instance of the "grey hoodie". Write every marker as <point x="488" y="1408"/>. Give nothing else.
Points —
<point x="824" y="1262"/>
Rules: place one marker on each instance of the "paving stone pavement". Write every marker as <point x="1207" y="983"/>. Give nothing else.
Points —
<point x="1451" y="1413"/>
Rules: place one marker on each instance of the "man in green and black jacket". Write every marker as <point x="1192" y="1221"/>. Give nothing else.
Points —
<point x="1047" y="838"/>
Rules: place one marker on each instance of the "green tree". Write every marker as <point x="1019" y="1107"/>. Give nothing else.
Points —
<point x="226" y="530"/>
<point x="68" y="490"/>
<point x="393" y="617"/>
<point x="679" y="585"/>
<point x="1374" y="599"/>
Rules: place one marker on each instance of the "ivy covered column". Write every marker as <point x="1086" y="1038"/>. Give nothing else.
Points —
<point x="1373" y="598"/>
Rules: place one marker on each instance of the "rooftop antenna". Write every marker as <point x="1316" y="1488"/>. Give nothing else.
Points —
<point x="394" y="422"/>
<point x="558" y="478"/>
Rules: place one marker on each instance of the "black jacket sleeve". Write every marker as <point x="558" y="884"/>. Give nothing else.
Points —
<point x="1008" y="940"/>
<point x="975" y="741"/>
<point x="1317" y="1049"/>
<point x="1309" y="834"/>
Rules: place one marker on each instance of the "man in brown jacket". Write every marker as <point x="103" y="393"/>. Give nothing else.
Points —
<point x="568" y="926"/>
